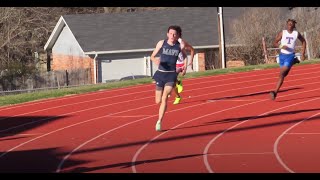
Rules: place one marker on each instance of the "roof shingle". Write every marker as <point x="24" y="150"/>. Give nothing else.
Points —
<point x="142" y="30"/>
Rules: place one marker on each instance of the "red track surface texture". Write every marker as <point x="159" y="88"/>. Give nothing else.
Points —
<point x="224" y="123"/>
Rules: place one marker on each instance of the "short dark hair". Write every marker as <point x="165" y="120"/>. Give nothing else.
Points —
<point x="176" y="28"/>
<point x="292" y="20"/>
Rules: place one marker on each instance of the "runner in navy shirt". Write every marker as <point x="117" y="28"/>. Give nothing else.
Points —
<point x="165" y="77"/>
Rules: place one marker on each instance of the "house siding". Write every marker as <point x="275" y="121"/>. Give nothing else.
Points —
<point x="67" y="54"/>
<point x="69" y="63"/>
<point x="201" y="61"/>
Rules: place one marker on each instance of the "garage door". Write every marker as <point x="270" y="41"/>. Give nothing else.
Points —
<point x="109" y="70"/>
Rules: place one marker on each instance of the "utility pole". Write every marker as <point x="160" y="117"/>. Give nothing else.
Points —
<point x="221" y="38"/>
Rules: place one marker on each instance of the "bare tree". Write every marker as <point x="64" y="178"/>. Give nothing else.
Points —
<point x="81" y="10"/>
<point x="25" y="30"/>
<point x="131" y="9"/>
<point x="248" y="30"/>
<point x="20" y="31"/>
<point x="111" y="9"/>
<point x="308" y="21"/>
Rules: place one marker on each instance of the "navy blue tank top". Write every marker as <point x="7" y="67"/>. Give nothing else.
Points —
<point x="169" y="55"/>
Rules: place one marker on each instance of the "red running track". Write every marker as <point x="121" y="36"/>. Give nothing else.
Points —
<point x="224" y="123"/>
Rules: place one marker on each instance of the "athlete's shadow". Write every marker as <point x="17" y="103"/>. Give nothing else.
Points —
<point x="250" y="118"/>
<point x="303" y="98"/>
<point x="130" y="164"/>
<point x="242" y="95"/>
<point x="262" y="116"/>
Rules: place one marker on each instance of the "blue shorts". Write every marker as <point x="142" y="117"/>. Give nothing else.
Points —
<point x="286" y="60"/>
<point x="165" y="78"/>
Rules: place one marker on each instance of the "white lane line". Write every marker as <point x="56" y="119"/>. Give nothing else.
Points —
<point x="134" y="159"/>
<point x="302" y="133"/>
<point x="135" y="156"/>
<point x="145" y="85"/>
<point x="132" y="116"/>
<point x="232" y="154"/>
<point x="107" y="116"/>
<point x="276" y="144"/>
<point x="109" y="131"/>
<point x="205" y="157"/>
<point x="217" y="92"/>
<point x="77" y="103"/>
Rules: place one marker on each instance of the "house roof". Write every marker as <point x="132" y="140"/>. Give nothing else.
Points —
<point x="140" y="31"/>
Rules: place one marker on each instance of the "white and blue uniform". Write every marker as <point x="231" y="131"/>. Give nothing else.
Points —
<point x="286" y="57"/>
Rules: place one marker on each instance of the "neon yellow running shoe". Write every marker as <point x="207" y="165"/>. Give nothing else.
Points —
<point x="179" y="86"/>
<point x="177" y="100"/>
<point x="158" y="125"/>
